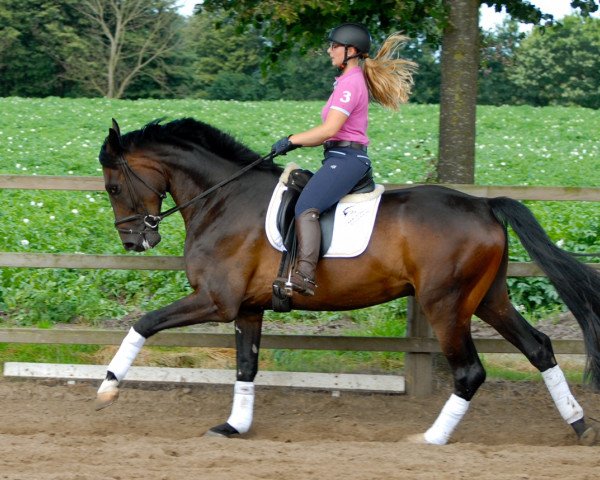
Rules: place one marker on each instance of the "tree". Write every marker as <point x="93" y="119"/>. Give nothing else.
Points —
<point x="226" y="64"/>
<point x="427" y="77"/>
<point x="460" y="61"/>
<point x="221" y="54"/>
<point x="29" y="65"/>
<point x="288" y="22"/>
<point x="124" y="39"/>
<point x="498" y="52"/>
<point x="9" y="35"/>
<point x="458" y="92"/>
<point x="561" y="64"/>
<point x="300" y="76"/>
<point x="51" y="48"/>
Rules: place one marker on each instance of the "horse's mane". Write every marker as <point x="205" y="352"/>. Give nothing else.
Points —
<point x="184" y="133"/>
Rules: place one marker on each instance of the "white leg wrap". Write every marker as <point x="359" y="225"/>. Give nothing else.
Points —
<point x="452" y="413"/>
<point x="126" y="354"/>
<point x="561" y="394"/>
<point x="243" y="406"/>
<point x="108" y="386"/>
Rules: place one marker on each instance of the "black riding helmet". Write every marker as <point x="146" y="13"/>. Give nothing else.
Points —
<point x="352" y="35"/>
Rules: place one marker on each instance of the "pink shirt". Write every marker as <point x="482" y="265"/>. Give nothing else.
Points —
<point x="351" y="97"/>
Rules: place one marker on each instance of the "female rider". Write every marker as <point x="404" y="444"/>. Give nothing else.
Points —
<point x="343" y="134"/>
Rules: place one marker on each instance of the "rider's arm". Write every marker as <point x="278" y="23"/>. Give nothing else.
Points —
<point x="317" y="135"/>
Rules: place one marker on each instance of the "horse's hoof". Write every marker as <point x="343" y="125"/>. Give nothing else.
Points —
<point x="211" y="434"/>
<point x="588" y="437"/>
<point x="106" y="399"/>
<point x="222" y="431"/>
<point x="417" y="439"/>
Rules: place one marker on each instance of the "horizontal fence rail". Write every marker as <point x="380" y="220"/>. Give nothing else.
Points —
<point x="419" y="345"/>
<point x="51" y="182"/>
<point x="292" y="342"/>
<point x="134" y="262"/>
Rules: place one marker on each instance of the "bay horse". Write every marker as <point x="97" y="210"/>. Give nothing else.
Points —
<point x="447" y="248"/>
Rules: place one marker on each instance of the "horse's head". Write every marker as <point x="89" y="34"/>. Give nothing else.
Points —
<point x="136" y="186"/>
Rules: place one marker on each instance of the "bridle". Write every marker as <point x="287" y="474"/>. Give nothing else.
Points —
<point x="153" y="221"/>
<point x="150" y="221"/>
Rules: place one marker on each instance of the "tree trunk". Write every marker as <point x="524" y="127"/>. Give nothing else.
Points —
<point x="458" y="96"/>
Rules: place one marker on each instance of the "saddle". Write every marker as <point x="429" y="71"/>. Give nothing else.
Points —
<point x="296" y="182"/>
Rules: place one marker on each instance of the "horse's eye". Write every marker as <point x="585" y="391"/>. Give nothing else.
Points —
<point x="113" y="189"/>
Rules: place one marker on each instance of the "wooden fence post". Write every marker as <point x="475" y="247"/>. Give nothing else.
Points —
<point x="418" y="367"/>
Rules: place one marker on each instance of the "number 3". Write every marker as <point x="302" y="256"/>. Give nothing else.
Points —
<point x="345" y="96"/>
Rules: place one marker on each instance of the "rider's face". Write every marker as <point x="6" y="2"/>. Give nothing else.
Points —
<point x="336" y="53"/>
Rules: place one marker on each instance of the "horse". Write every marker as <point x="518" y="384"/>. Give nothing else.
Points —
<point x="446" y="248"/>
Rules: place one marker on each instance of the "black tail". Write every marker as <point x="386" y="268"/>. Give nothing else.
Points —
<point x="577" y="284"/>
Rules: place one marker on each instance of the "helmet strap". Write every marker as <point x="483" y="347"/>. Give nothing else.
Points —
<point x="346" y="57"/>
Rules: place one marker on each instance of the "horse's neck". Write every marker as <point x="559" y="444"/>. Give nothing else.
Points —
<point x="191" y="178"/>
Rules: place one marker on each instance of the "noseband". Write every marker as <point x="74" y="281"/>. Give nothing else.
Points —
<point x="153" y="221"/>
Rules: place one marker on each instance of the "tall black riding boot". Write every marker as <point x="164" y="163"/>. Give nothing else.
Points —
<point x="308" y="233"/>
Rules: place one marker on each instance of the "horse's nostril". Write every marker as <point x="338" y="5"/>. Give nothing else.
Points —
<point x="129" y="246"/>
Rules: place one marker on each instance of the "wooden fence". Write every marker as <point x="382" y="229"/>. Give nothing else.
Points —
<point x="419" y="344"/>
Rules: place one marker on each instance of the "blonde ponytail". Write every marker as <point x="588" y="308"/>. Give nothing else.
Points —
<point x="390" y="78"/>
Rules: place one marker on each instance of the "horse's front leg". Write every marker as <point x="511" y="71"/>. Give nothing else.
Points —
<point x="247" y="338"/>
<point x="187" y="311"/>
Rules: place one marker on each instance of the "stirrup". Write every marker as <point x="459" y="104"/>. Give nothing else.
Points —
<point x="301" y="284"/>
<point x="282" y="287"/>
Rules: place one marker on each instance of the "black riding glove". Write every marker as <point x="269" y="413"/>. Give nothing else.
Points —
<point x="283" y="146"/>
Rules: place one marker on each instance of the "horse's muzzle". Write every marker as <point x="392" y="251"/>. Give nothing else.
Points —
<point x="140" y="241"/>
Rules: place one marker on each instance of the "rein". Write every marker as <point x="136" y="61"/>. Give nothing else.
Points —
<point x="153" y="221"/>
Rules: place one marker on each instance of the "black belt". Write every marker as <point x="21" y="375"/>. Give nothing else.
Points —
<point x="344" y="143"/>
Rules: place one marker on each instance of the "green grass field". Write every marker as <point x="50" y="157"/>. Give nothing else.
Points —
<point x="552" y="146"/>
<point x="515" y="145"/>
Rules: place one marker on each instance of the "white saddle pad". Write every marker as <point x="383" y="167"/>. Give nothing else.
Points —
<point x="353" y="225"/>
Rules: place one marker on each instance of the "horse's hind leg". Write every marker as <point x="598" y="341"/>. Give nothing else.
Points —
<point x="497" y="311"/>
<point x="247" y="337"/>
<point x="453" y="332"/>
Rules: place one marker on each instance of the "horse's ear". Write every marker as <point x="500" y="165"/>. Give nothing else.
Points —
<point x="114" y="139"/>
<point x="115" y="127"/>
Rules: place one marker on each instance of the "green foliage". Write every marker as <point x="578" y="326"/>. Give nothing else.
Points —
<point x="559" y="65"/>
<point x="227" y="65"/>
<point x="335" y="361"/>
<point x="58" y="48"/>
<point x="521" y="371"/>
<point x="305" y="22"/>
<point x="497" y="60"/>
<point x="427" y="76"/>
<point x="298" y="76"/>
<point x="28" y="47"/>
<point x="55" y="48"/>
<point x="47" y="353"/>
<point x="527" y="12"/>
<point x="537" y="146"/>
<point x="388" y="320"/>
<point x="536" y="296"/>
<point x="240" y="86"/>
<point x="119" y="42"/>
<point x="220" y="53"/>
